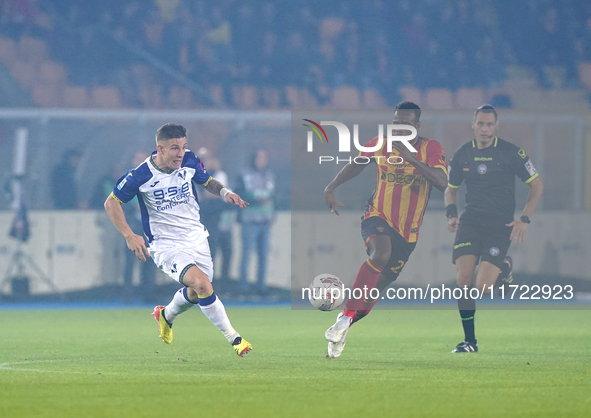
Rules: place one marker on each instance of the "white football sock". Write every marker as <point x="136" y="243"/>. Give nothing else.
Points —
<point x="216" y="313"/>
<point x="179" y="304"/>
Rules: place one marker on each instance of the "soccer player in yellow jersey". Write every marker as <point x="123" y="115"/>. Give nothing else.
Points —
<point x="390" y="227"/>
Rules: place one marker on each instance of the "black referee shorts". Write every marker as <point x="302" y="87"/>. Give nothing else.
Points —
<point x="488" y="242"/>
<point x="401" y="250"/>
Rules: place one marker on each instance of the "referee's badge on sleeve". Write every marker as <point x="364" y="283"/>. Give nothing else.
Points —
<point x="530" y="168"/>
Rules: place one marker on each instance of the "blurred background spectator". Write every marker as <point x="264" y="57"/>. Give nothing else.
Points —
<point x="214" y="215"/>
<point x="144" y="287"/>
<point x="104" y="187"/>
<point x="256" y="185"/>
<point x="63" y="181"/>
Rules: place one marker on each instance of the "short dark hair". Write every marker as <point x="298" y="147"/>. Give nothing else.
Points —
<point x="170" y="131"/>
<point x="407" y="105"/>
<point x="486" y="108"/>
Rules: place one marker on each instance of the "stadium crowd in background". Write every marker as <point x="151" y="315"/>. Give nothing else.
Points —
<point x="318" y="45"/>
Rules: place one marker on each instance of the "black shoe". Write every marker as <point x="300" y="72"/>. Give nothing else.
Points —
<point x="466" y="347"/>
<point x="506" y="274"/>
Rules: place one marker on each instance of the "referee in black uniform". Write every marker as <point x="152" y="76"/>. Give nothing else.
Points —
<point x="488" y="165"/>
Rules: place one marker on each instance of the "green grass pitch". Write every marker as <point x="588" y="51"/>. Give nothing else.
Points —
<point x="111" y="363"/>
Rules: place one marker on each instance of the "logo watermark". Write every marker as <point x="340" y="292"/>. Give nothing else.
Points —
<point x="393" y="133"/>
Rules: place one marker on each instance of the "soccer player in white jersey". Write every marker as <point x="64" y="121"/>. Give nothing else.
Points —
<point x="165" y="187"/>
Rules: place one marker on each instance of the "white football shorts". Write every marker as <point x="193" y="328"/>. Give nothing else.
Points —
<point x="175" y="261"/>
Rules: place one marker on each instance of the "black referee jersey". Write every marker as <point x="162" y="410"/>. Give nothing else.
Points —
<point x="489" y="174"/>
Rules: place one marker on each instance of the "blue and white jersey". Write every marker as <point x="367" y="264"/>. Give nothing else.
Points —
<point x="168" y="201"/>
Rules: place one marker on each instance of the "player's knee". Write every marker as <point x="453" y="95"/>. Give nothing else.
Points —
<point x="380" y="258"/>
<point x="197" y="281"/>
<point x="192" y="295"/>
<point x="200" y="287"/>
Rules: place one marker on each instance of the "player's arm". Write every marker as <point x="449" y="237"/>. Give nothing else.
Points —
<point x="524" y="169"/>
<point x="536" y="188"/>
<point x="347" y="173"/>
<point x="451" y="209"/>
<point x="218" y="189"/>
<point x="135" y="242"/>
<point x="454" y="180"/>
<point x="436" y="176"/>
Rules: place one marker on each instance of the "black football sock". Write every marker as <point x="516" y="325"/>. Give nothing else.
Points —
<point x="467" y="309"/>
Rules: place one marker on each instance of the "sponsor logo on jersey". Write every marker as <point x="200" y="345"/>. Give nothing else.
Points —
<point x="482" y="169"/>
<point x="462" y="244"/>
<point x="483" y="159"/>
<point x="522" y="154"/>
<point x="183" y="174"/>
<point x="171" y="197"/>
<point x="494" y="251"/>
<point x="380" y="228"/>
<point x="401" y="178"/>
<point x="155" y="183"/>
<point x="530" y="168"/>
<point x="173" y="269"/>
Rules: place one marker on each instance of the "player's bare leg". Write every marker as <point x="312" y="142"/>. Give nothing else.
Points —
<point x="465" y="265"/>
<point x="200" y="289"/>
<point x="487" y="276"/>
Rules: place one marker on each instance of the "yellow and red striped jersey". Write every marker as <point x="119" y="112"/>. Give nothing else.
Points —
<point x="402" y="193"/>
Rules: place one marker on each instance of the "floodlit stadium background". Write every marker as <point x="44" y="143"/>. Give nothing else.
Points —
<point x="101" y="79"/>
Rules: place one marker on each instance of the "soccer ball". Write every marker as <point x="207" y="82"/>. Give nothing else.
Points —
<point x="326" y="292"/>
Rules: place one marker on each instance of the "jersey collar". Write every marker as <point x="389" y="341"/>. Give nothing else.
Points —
<point x="156" y="167"/>
<point x="494" y="142"/>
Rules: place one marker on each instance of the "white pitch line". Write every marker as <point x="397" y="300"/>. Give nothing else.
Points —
<point x="10" y="367"/>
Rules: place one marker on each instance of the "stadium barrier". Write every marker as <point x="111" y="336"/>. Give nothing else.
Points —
<point x="79" y="249"/>
<point x="557" y="243"/>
